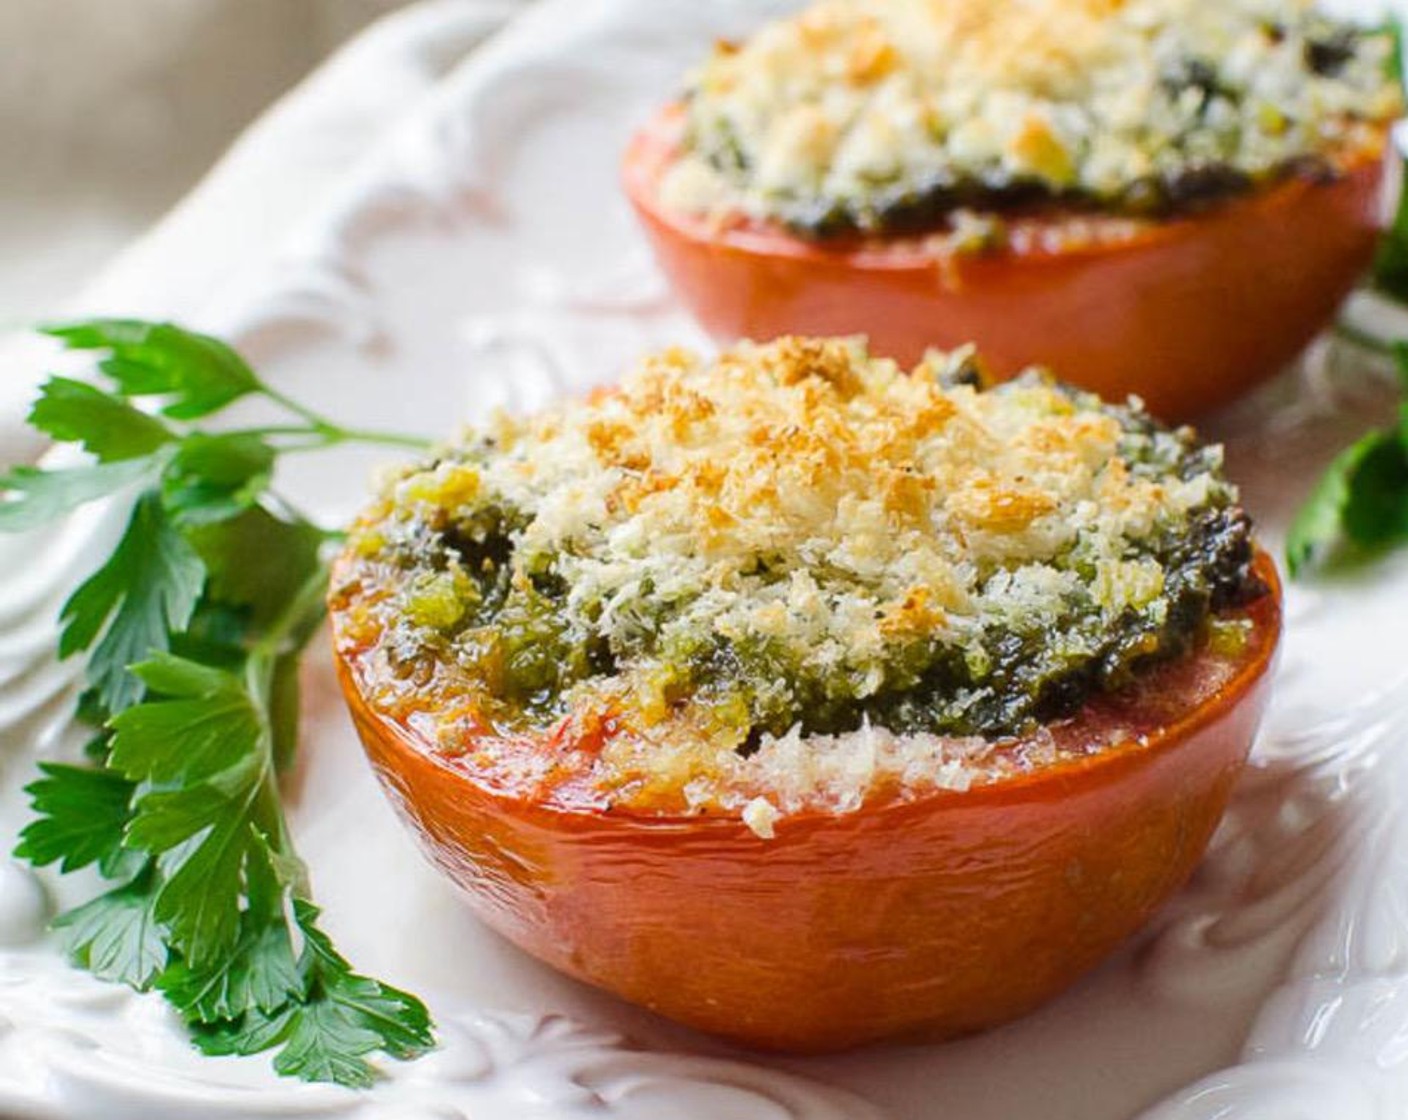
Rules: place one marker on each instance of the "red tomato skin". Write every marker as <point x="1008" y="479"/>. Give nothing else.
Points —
<point x="1187" y="313"/>
<point x="922" y="918"/>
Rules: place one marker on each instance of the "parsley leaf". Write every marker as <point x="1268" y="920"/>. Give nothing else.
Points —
<point x="397" y="1019"/>
<point x="34" y="497"/>
<point x="193" y="628"/>
<point x="206" y="709"/>
<point x="258" y="561"/>
<point x="83" y="815"/>
<point x="1359" y="506"/>
<point x="116" y="936"/>
<point x="144" y="593"/>
<point x="194" y="373"/>
<point x="328" y="1044"/>
<point x="332" y="1024"/>
<point x="259" y="976"/>
<point x="199" y="901"/>
<point x="166" y="818"/>
<point x="1316" y="526"/>
<point x="249" y="1033"/>
<point x="212" y="477"/>
<point x="1375" y="513"/>
<point x="202" y="827"/>
<point x="76" y="412"/>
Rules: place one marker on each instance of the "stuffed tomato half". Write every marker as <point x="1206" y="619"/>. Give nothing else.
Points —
<point x="1168" y="198"/>
<point x="807" y="700"/>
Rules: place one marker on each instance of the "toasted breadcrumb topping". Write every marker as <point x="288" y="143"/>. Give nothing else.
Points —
<point x="868" y="114"/>
<point x="794" y="549"/>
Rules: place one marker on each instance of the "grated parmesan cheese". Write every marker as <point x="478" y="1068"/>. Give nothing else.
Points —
<point x="760" y="815"/>
<point x="793" y="573"/>
<point x="859" y="113"/>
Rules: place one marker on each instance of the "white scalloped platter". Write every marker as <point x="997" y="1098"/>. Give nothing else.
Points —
<point x="479" y="254"/>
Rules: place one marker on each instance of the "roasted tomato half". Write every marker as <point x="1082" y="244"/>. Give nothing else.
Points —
<point x="1186" y="312"/>
<point x="924" y="915"/>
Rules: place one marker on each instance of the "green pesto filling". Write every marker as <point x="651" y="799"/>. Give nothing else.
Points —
<point x="918" y="207"/>
<point x="517" y="635"/>
<point x="1216" y="138"/>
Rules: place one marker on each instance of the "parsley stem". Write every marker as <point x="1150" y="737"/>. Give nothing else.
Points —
<point x="265" y="806"/>
<point x="334" y="433"/>
<point x="295" y="407"/>
<point x="330" y="435"/>
<point x="295" y="623"/>
<point x="280" y="430"/>
<point x="389" y="439"/>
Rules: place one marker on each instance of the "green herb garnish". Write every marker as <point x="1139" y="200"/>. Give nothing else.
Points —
<point x="191" y="631"/>
<point x="1359" y="506"/>
<point x="1361" y="501"/>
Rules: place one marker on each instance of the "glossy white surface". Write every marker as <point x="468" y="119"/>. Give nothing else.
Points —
<point x="472" y="250"/>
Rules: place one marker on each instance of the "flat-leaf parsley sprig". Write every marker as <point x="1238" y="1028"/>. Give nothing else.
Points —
<point x="191" y="631"/>
<point x="1359" y="505"/>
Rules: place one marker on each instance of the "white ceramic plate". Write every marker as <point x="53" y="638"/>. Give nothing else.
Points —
<point x="481" y="255"/>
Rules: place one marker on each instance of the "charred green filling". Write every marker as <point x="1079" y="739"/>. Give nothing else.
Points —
<point x="1197" y="105"/>
<point x="467" y="592"/>
<point x="929" y="204"/>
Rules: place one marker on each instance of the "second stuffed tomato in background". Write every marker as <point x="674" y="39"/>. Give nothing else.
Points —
<point x="1156" y="197"/>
